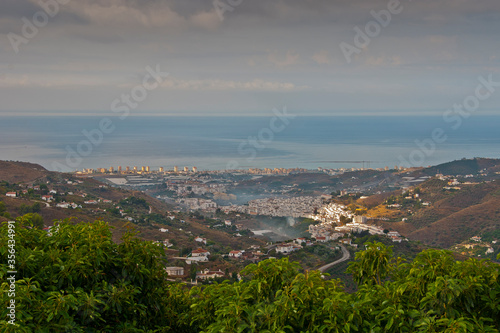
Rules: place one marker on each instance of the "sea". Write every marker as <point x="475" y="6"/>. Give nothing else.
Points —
<point x="71" y="143"/>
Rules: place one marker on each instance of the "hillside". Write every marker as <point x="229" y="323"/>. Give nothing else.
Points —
<point x="440" y="211"/>
<point x="13" y="172"/>
<point x="464" y="167"/>
<point x="451" y="214"/>
<point x="122" y="209"/>
<point x="458" y="216"/>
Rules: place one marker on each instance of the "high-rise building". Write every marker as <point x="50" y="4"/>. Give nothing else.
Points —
<point x="147" y="169"/>
<point x="143" y="168"/>
<point x="119" y="169"/>
<point x="186" y="169"/>
<point x="111" y="169"/>
<point x="176" y="169"/>
<point x="127" y="169"/>
<point x="135" y="169"/>
<point x="195" y="169"/>
<point x="160" y="169"/>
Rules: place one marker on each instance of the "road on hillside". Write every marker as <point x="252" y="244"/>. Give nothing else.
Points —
<point x="270" y="247"/>
<point x="345" y="256"/>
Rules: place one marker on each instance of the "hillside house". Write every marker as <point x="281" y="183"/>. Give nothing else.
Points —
<point x="201" y="240"/>
<point x="47" y="198"/>
<point x="200" y="253"/>
<point x="284" y="248"/>
<point x="287" y="248"/>
<point x="359" y="219"/>
<point x="191" y="260"/>
<point x="393" y="234"/>
<point x="174" y="271"/>
<point x="167" y="243"/>
<point x="346" y="241"/>
<point x="11" y="194"/>
<point x="299" y="240"/>
<point x="236" y="254"/>
<point x="208" y="274"/>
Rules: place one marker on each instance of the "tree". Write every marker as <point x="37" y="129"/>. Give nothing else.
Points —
<point x="26" y="209"/>
<point x="371" y="266"/>
<point x="44" y="189"/>
<point x="35" y="220"/>
<point x="192" y="272"/>
<point x="77" y="279"/>
<point x="35" y="208"/>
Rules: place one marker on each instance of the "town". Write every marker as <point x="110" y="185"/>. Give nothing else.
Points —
<point x="213" y="223"/>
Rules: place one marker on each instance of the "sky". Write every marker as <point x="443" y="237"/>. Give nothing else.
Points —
<point x="246" y="57"/>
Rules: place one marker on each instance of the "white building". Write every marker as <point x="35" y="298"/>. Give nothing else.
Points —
<point x="47" y="198"/>
<point x="174" y="271"/>
<point x="208" y="274"/>
<point x="200" y="253"/>
<point x="236" y="254"/>
<point x="300" y="240"/>
<point x="359" y="219"/>
<point x="393" y="234"/>
<point x="191" y="260"/>
<point x="321" y="239"/>
<point x="200" y="240"/>
<point x="287" y="248"/>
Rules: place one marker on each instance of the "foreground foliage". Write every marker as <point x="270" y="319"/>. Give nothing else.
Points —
<point x="75" y="279"/>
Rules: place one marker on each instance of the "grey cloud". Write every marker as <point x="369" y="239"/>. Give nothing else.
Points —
<point x="17" y="8"/>
<point x="277" y="41"/>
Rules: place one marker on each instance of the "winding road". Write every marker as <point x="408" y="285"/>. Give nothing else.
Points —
<point x="345" y="256"/>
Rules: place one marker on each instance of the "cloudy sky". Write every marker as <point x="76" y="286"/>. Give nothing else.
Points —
<point x="245" y="57"/>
